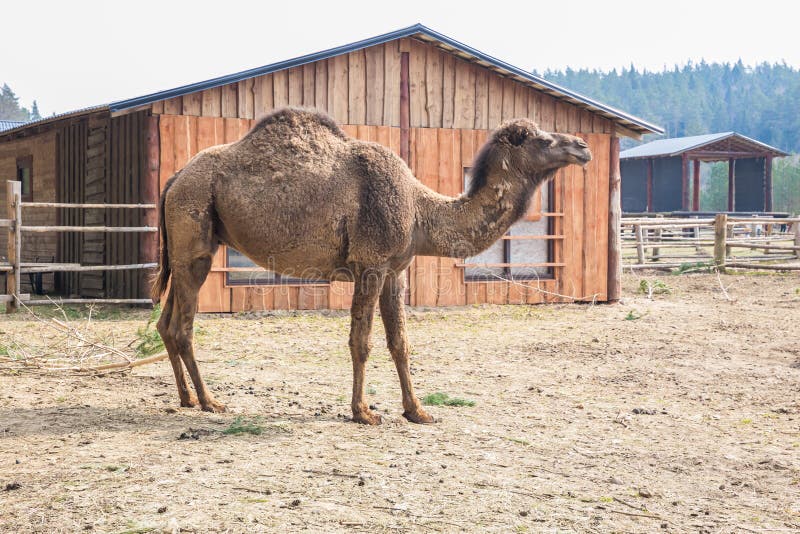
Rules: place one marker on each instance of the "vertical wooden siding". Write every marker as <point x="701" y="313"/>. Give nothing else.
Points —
<point x="363" y="87"/>
<point x="182" y="137"/>
<point x="92" y="284"/>
<point x="453" y="104"/>
<point x="439" y="157"/>
<point x="72" y="141"/>
<point x="126" y="166"/>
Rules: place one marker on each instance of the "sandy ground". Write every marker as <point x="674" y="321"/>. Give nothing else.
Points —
<point x="686" y="418"/>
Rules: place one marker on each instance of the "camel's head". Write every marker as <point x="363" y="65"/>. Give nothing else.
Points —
<point x="535" y="151"/>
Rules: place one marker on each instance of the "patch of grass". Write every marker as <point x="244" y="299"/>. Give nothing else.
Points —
<point x="443" y="399"/>
<point x="116" y="468"/>
<point x="240" y="426"/>
<point x="149" y="340"/>
<point x="3" y="350"/>
<point x="634" y="315"/>
<point x="696" y="267"/>
<point x="654" y="287"/>
<point x="134" y="528"/>
<point x="371" y="390"/>
<point x="518" y="440"/>
<point x="746" y="422"/>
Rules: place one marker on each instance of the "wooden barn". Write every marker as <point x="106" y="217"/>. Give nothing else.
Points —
<point x="656" y="175"/>
<point x="428" y="97"/>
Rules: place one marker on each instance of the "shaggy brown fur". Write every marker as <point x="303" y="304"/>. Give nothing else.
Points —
<point x="299" y="197"/>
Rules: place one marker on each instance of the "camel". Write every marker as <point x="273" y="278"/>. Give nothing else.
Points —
<point x="299" y="197"/>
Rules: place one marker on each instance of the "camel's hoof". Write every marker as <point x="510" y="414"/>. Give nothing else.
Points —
<point x="419" y="416"/>
<point x="191" y="402"/>
<point x="367" y="418"/>
<point x="214" y="407"/>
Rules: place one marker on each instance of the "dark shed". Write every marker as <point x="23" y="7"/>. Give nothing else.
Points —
<point x="655" y="176"/>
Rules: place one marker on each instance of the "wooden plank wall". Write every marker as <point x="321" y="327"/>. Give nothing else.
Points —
<point x="182" y="137"/>
<point x="453" y="105"/>
<point x="71" y="185"/>
<point x="363" y="87"/>
<point x="126" y="164"/>
<point x="93" y="245"/>
<point x="439" y="157"/>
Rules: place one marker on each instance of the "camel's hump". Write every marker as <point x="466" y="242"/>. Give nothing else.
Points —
<point x="299" y="120"/>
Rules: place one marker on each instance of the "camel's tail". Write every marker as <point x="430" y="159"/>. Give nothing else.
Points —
<point x="162" y="276"/>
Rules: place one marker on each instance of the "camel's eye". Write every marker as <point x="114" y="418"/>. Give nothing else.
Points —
<point x="544" y="142"/>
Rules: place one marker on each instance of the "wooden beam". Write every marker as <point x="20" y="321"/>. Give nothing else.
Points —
<point x="731" y="184"/>
<point x="768" y="184"/>
<point x="725" y="154"/>
<point x="696" y="186"/>
<point x="13" y="211"/>
<point x="614" y="224"/>
<point x="405" y="111"/>
<point x="149" y="193"/>
<point x="720" y="235"/>
<point x="684" y="182"/>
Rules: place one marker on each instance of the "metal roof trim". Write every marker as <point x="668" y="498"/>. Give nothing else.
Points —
<point x="55" y="118"/>
<point x="639" y="125"/>
<point x="640" y="152"/>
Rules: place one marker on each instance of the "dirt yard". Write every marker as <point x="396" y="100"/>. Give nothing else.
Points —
<point x="672" y="414"/>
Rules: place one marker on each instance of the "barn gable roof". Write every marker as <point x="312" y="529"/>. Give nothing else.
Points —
<point x="709" y="144"/>
<point x="423" y="33"/>
<point x="632" y="124"/>
<point x="8" y="125"/>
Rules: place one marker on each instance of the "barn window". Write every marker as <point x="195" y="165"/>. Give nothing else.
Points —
<point x="242" y="271"/>
<point x="25" y="176"/>
<point x="523" y="253"/>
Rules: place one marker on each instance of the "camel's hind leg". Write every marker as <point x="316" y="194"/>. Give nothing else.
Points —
<point x="187" y="396"/>
<point x="365" y="297"/>
<point x="186" y="282"/>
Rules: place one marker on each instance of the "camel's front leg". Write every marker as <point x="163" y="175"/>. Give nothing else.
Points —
<point x="394" y="321"/>
<point x="365" y="297"/>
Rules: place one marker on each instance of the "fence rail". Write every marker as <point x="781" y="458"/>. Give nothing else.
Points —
<point x="14" y="268"/>
<point x="674" y="242"/>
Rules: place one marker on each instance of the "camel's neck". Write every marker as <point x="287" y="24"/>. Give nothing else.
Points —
<point x="465" y="226"/>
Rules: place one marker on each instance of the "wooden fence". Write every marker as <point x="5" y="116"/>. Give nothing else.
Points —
<point x="14" y="268"/>
<point x="723" y="241"/>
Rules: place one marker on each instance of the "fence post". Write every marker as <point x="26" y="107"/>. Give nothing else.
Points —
<point x="14" y="212"/>
<point x="720" y="234"/>
<point x="657" y="233"/>
<point x="796" y="226"/>
<point x="730" y="234"/>
<point x="639" y="243"/>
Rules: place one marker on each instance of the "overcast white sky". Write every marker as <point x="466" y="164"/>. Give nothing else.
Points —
<point x="73" y="54"/>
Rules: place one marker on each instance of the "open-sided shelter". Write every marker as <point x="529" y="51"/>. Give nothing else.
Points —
<point x="655" y="175"/>
<point x="431" y="99"/>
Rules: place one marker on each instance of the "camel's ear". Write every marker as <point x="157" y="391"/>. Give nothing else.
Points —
<point x="514" y="134"/>
<point x="517" y="135"/>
